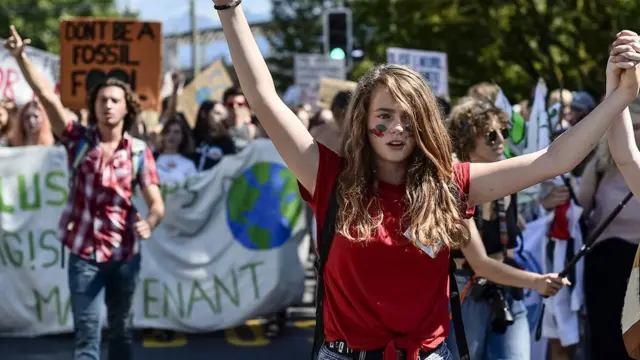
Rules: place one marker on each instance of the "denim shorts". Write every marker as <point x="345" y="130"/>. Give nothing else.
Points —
<point x="442" y="353"/>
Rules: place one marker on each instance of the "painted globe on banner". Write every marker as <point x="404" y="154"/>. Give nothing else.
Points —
<point x="263" y="206"/>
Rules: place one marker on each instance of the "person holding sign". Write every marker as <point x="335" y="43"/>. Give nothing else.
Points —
<point x="100" y="225"/>
<point x="399" y="201"/>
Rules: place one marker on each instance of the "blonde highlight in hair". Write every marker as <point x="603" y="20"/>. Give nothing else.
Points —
<point x="433" y="212"/>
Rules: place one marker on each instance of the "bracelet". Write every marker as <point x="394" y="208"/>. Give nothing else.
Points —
<point x="230" y="5"/>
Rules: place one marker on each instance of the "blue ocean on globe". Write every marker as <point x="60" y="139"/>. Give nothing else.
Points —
<point x="203" y="94"/>
<point x="263" y="206"/>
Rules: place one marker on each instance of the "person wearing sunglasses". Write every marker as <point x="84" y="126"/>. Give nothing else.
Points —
<point x="493" y="310"/>
<point x="241" y="128"/>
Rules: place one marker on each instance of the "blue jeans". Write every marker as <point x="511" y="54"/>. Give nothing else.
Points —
<point x="483" y="343"/>
<point x="441" y="354"/>
<point x="87" y="279"/>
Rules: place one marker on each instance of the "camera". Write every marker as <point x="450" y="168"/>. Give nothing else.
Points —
<point x="501" y="316"/>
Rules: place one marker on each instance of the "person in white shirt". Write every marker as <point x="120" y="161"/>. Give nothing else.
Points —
<point x="173" y="157"/>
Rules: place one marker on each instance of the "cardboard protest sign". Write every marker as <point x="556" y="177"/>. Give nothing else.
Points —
<point x="208" y="85"/>
<point x="94" y="49"/>
<point x="330" y="87"/>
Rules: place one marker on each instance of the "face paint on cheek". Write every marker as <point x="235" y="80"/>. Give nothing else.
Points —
<point x="409" y="129"/>
<point x="379" y="130"/>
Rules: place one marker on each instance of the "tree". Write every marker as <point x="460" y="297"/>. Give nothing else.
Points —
<point x="511" y="43"/>
<point x="39" y="20"/>
<point x="296" y="28"/>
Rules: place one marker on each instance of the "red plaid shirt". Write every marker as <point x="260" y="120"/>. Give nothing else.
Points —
<point x="97" y="222"/>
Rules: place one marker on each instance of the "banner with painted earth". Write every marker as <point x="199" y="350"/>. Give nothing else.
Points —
<point x="226" y="251"/>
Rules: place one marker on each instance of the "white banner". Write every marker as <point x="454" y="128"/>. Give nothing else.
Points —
<point x="13" y="85"/>
<point x="309" y="69"/>
<point x="226" y="251"/>
<point x="431" y="64"/>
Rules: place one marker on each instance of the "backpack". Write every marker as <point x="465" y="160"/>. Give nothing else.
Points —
<point x="326" y="237"/>
<point x="138" y="148"/>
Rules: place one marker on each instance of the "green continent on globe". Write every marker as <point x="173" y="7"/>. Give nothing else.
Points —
<point x="263" y="206"/>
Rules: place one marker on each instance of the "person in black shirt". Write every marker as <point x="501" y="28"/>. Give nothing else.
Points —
<point x="211" y="135"/>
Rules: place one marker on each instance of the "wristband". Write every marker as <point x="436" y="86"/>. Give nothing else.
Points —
<point x="230" y="5"/>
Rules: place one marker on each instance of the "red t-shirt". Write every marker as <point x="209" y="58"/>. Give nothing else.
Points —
<point x="385" y="292"/>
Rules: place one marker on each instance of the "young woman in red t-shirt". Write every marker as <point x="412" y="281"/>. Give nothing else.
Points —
<point x="387" y="276"/>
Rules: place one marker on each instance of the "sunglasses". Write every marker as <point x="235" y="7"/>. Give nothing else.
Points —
<point x="492" y="136"/>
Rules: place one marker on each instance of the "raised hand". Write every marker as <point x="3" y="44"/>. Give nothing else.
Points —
<point x="15" y="44"/>
<point x="624" y="55"/>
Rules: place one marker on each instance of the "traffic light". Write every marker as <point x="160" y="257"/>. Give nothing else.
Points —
<point x="338" y="34"/>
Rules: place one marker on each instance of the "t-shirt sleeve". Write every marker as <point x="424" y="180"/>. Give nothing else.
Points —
<point x="462" y="177"/>
<point x="329" y="166"/>
<point x="328" y="169"/>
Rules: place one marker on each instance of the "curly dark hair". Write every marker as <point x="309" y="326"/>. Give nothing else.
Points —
<point x="133" y="104"/>
<point x="470" y="119"/>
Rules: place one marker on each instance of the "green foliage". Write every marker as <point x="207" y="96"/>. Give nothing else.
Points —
<point x="511" y="43"/>
<point x="296" y="28"/>
<point x="39" y="20"/>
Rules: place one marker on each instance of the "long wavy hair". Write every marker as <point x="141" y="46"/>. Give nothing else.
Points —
<point x="18" y="135"/>
<point x="133" y="105"/>
<point x="433" y="209"/>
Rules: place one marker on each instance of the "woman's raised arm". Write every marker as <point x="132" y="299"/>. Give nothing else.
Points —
<point x="291" y="138"/>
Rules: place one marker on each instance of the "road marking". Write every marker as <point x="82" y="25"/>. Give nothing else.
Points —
<point x="163" y="339"/>
<point x="247" y="336"/>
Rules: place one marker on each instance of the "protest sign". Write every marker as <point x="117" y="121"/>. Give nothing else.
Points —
<point x="330" y="87"/>
<point x="208" y="85"/>
<point x="431" y="64"/>
<point x="226" y="251"/>
<point x="94" y="49"/>
<point x="309" y="69"/>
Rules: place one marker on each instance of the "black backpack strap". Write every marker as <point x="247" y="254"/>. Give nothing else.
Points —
<point x="326" y="239"/>
<point x="456" y="313"/>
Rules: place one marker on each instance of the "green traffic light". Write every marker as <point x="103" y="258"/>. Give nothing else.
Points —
<point x="337" y="54"/>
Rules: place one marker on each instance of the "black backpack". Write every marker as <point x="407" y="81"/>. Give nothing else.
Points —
<point x="326" y="239"/>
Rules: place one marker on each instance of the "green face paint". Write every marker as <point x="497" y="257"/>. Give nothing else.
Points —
<point x="379" y="130"/>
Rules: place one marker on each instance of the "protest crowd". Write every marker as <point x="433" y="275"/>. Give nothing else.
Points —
<point x="135" y="200"/>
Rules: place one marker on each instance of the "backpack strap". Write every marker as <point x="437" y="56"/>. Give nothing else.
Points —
<point x="138" y="148"/>
<point x="327" y="234"/>
<point x="456" y="312"/>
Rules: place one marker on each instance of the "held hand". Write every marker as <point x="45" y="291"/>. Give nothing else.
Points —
<point x="558" y="196"/>
<point x="550" y="284"/>
<point x="143" y="230"/>
<point x="630" y="82"/>
<point x="15" y="44"/>
<point x="623" y="50"/>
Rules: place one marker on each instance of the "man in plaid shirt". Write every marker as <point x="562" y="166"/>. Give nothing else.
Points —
<point x="100" y="225"/>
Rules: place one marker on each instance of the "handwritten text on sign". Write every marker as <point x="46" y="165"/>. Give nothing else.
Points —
<point x="431" y="64"/>
<point x="92" y="50"/>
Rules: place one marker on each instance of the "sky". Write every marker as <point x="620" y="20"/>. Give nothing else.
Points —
<point x="175" y="13"/>
<point x="175" y="17"/>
